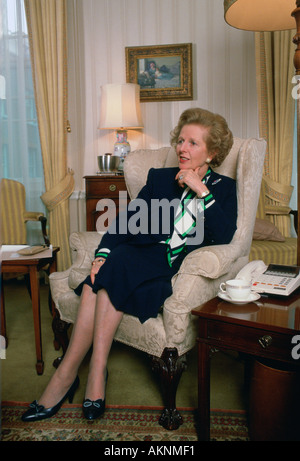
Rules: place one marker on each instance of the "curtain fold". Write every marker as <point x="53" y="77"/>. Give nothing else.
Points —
<point x="48" y="46"/>
<point x="274" y="71"/>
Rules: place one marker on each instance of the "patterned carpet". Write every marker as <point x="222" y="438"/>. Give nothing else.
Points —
<point x="118" y="425"/>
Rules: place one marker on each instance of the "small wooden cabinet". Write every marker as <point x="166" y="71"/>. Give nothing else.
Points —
<point x="104" y="188"/>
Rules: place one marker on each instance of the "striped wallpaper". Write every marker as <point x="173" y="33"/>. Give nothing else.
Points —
<point x="99" y="31"/>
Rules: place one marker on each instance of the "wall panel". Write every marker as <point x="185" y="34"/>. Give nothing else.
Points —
<point x="224" y="69"/>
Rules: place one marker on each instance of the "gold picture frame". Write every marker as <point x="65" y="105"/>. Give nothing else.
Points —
<point x="164" y="72"/>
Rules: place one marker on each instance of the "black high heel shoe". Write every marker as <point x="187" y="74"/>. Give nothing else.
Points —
<point x="37" y="412"/>
<point x="93" y="409"/>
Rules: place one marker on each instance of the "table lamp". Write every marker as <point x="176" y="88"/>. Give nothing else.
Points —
<point x="270" y="15"/>
<point x="120" y="111"/>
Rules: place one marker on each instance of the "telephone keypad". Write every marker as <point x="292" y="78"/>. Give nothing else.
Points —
<point x="276" y="283"/>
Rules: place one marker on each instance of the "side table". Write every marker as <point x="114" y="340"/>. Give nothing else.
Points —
<point x="30" y="265"/>
<point x="263" y="329"/>
<point x="100" y="187"/>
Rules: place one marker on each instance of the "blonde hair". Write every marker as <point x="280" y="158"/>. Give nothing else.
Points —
<point x="219" y="139"/>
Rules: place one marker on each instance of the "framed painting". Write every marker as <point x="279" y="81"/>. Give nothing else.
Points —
<point x="164" y="72"/>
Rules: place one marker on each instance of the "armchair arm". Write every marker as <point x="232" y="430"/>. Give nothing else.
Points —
<point x="59" y="284"/>
<point x="272" y="210"/>
<point x="38" y="216"/>
<point x="83" y="245"/>
<point x="32" y="215"/>
<point x="212" y="261"/>
<point x="196" y="282"/>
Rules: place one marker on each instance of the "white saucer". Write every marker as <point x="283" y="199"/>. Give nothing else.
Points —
<point x="252" y="297"/>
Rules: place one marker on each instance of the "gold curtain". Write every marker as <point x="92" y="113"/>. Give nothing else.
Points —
<point x="274" y="70"/>
<point x="48" y="46"/>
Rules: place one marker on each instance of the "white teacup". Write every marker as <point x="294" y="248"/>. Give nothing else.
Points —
<point x="237" y="290"/>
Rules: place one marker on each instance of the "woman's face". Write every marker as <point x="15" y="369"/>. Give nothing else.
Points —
<point x="191" y="147"/>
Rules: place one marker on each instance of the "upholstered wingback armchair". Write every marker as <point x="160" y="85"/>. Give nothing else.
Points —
<point x="14" y="215"/>
<point x="172" y="334"/>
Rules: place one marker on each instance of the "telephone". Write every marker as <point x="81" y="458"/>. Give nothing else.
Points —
<point x="274" y="279"/>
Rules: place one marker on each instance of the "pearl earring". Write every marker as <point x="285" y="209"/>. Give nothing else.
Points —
<point x="208" y="160"/>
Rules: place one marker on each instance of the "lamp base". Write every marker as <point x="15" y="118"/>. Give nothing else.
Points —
<point x="121" y="147"/>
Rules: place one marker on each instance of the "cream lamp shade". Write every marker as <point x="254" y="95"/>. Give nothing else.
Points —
<point x="120" y="111"/>
<point x="120" y="106"/>
<point x="260" y="15"/>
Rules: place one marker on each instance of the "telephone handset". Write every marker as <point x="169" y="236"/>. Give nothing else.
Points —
<point x="252" y="268"/>
<point x="274" y="279"/>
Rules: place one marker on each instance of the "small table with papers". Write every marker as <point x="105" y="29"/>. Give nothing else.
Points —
<point x="13" y="262"/>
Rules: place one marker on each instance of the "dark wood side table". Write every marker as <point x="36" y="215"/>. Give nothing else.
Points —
<point x="30" y="265"/>
<point x="102" y="187"/>
<point x="263" y="329"/>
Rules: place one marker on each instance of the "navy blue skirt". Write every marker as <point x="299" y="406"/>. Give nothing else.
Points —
<point x="137" y="279"/>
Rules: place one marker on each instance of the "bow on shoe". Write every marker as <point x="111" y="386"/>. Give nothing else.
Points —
<point x="89" y="403"/>
<point x="35" y="406"/>
<point x="37" y="412"/>
<point x="92" y="409"/>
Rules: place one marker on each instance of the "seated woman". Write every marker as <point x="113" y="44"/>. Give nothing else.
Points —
<point x="132" y="269"/>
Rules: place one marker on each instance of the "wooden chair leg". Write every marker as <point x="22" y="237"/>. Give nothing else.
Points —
<point x="61" y="339"/>
<point x="170" y="367"/>
<point x="43" y="221"/>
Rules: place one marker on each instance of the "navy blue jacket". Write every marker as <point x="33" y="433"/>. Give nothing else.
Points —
<point x="219" y="218"/>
